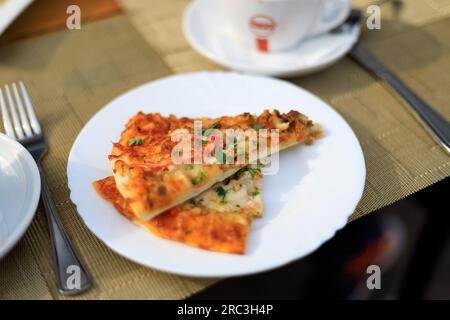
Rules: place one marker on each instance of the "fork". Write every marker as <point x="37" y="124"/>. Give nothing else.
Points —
<point x="23" y="126"/>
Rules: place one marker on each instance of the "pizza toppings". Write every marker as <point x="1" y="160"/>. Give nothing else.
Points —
<point x="147" y="145"/>
<point x="201" y="176"/>
<point x="221" y="192"/>
<point x="208" y="204"/>
<point x="136" y="141"/>
<point x="207" y="221"/>
<point x="257" y="126"/>
<point x="207" y="132"/>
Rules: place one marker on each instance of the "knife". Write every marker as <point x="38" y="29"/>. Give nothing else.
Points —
<point x="435" y="124"/>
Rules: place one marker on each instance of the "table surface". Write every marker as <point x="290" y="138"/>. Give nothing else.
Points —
<point x="400" y="156"/>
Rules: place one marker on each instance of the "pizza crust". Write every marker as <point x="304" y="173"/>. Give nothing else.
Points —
<point x="219" y="219"/>
<point x="151" y="183"/>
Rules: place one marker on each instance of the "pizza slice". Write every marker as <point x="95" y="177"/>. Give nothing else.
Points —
<point x="218" y="219"/>
<point x="147" y="177"/>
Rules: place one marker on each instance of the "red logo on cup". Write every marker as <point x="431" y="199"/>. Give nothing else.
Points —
<point x="262" y="27"/>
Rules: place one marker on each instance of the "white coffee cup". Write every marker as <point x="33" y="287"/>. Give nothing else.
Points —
<point x="275" y="25"/>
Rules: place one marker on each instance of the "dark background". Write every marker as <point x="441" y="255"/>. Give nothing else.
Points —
<point x="408" y="240"/>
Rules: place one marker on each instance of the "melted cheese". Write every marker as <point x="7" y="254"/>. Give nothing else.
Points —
<point x="204" y="222"/>
<point x="242" y="193"/>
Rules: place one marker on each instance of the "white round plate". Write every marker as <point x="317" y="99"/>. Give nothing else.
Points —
<point x="306" y="202"/>
<point x="214" y="40"/>
<point x="20" y="188"/>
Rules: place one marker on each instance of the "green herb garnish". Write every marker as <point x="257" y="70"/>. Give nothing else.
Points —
<point x="221" y="192"/>
<point x="207" y="132"/>
<point x="136" y="141"/>
<point x="252" y="172"/>
<point x="189" y="167"/>
<point x="255" y="193"/>
<point x="198" y="178"/>
<point x="239" y="151"/>
<point x="257" y="126"/>
<point x="239" y="173"/>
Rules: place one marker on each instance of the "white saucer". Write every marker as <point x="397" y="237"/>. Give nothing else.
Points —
<point x="20" y="188"/>
<point x="213" y="40"/>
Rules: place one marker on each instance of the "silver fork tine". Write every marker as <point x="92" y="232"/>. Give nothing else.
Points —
<point x="30" y="111"/>
<point x="6" y="120"/>
<point x="15" y="118"/>
<point x="25" y="125"/>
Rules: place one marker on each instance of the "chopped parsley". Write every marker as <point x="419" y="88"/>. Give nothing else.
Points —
<point x="221" y="192"/>
<point x="239" y="172"/>
<point x="255" y="193"/>
<point x="189" y="167"/>
<point x="220" y="156"/>
<point x="207" y="132"/>
<point x="252" y="172"/>
<point x="136" y="141"/>
<point x="257" y="126"/>
<point x="198" y="178"/>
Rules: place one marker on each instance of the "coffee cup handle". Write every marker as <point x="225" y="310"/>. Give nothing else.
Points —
<point x="332" y="14"/>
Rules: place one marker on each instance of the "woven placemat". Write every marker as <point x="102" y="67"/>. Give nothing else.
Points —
<point x="401" y="158"/>
<point x="70" y="76"/>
